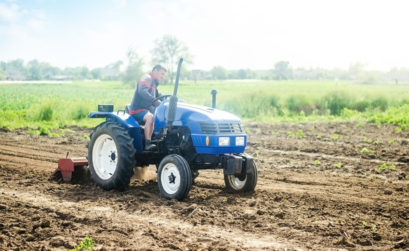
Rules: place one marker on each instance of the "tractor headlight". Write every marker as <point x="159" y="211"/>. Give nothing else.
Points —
<point x="239" y="141"/>
<point x="224" y="141"/>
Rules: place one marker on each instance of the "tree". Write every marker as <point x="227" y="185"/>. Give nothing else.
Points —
<point x="2" y="75"/>
<point x="34" y="70"/>
<point x="282" y="71"/>
<point x="134" y="69"/>
<point x="15" y="69"/>
<point x="357" y="71"/>
<point x="167" y="51"/>
<point x="242" y="74"/>
<point x="218" y="72"/>
<point x="96" y="73"/>
<point x="111" y="71"/>
<point x="48" y="71"/>
<point x="84" y="72"/>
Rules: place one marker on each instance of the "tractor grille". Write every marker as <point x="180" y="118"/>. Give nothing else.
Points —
<point x="222" y="127"/>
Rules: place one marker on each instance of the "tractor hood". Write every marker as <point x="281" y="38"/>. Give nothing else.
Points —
<point x="200" y="113"/>
<point x="193" y="116"/>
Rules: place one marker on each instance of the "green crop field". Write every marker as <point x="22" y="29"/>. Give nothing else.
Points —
<point x="45" y="107"/>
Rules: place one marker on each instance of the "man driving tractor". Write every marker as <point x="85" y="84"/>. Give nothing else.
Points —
<point x="144" y="101"/>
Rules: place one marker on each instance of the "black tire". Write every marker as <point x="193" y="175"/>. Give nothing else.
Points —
<point x="123" y="157"/>
<point x="92" y="133"/>
<point x="244" y="184"/>
<point x="195" y="174"/>
<point x="174" y="167"/>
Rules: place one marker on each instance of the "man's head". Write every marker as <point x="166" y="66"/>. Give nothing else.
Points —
<point x="158" y="72"/>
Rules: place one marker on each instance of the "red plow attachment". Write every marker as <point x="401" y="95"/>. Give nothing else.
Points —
<point x="67" y="166"/>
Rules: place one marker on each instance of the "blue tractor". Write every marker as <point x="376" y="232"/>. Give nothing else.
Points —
<point x="188" y="138"/>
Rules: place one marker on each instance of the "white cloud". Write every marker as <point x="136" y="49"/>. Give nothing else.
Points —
<point x="9" y="12"/>
<point x="120" y="3"/>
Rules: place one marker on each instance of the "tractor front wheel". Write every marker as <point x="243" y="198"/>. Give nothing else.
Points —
<point x="245" y="183"/>
<point x="111" y="156"/>
<point x="174" y="177"/>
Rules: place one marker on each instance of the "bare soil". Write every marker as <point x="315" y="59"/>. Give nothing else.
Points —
<point x="316" y="190"/>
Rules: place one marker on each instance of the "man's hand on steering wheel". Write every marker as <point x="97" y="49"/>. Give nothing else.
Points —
<point x="158" y="100"/>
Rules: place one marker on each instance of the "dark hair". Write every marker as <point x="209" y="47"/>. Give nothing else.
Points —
<point x="158" y="67"/>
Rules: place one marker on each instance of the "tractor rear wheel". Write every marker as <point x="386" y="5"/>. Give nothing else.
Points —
<point x="174" y="177"/>
<point x="245" y="183"/>
<point x="111" y="156"/>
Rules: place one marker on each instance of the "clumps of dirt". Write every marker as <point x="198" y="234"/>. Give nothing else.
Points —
<point x="81" y="175"/>
<point x="145" y="173"/>
<point x="4" y="129"/>
<point x="316" y="190"/>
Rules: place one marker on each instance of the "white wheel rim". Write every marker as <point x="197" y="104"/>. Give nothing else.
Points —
<point x="104" y="156"/>
<point x="170" y="178"/>
<point x="236" y="183"/>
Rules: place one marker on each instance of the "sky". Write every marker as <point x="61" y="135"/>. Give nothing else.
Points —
<point x="236" y="34"/>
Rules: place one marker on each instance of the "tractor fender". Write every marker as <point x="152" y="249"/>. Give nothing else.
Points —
<point x="120" y="117"/>
<point x="127" y="121"/>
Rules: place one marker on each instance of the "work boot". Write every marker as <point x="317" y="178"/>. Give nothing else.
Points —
<point x="149" y="146"/>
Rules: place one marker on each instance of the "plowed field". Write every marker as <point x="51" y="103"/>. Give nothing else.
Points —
<point x="318" y="189"/>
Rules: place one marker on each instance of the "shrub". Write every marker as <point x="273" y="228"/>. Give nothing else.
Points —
<point x="347" y="113"/>
<point x="298" y="104"/>
<point x="274" y="101"/>
<point x="79" y="112"/>
<point x="336" y="102"/>
<point x="380" y="102"/>
<point x="44" y="131"/>
<point x="361" y="105"/>
<point x="253" y="105"/>
<point x="46" y="112"/>
<point x="393" y="115"/>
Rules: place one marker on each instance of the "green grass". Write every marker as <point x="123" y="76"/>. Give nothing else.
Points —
<point x="43" y="107"/>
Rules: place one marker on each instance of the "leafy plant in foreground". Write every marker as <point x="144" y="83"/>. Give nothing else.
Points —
<point x="367" y="140"/>
<point x="300" y="134"/>
<point x="86" y="243"/>
<point x="366" y="150"/>
<point x="335" y="137"/>
<point x="384" y="166"/>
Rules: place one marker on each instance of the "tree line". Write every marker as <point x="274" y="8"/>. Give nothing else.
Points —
<point x="168" y="49"/>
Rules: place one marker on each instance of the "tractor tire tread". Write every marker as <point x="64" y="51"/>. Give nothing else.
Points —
<point x="122" y="176"/>
<point x="185" y="173"/>
<point x="250" y="184"/>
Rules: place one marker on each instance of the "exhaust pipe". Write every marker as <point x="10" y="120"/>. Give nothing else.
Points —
<point x="174" y="99"/>
<point x="214" y="93"/>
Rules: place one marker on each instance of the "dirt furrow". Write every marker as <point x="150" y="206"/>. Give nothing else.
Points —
<point x="165" y="227"/>
<point x="313" y="193"/>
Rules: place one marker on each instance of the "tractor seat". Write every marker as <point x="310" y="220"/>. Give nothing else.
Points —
<point x="127" y="109"/>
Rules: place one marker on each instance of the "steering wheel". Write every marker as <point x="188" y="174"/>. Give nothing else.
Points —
<point x="161" y="98"/>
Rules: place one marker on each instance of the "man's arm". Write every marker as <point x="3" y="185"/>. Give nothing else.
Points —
<point x="143" y="91"/>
